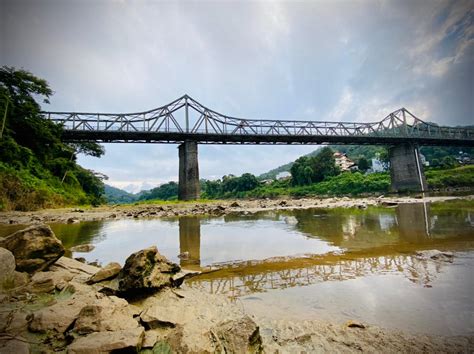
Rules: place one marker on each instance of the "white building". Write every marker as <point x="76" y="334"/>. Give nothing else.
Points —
<point x="343" y="162"/>
<point x="377" y="166"/>
<point x="283" y="175"/>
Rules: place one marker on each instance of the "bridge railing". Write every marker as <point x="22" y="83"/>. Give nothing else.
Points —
<point x="400" y="123"/>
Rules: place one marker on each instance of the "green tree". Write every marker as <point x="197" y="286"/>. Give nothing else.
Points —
<point x="449" y="162"/>
<point x="212" y="189"/>
<point x="32" y="153"/>
<point x="246" y="182"/>
<point x="324" y="165"/>
<point x="167" y="191"/>
<point x="301" y="171"/>
<point x="307" y="170"/>
<point x="363" y="164"/>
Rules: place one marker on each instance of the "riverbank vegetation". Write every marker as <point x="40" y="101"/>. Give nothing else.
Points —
<point x="313" y="175"/>
<point x="37" y="169"/>
<point x="343" y="184"/>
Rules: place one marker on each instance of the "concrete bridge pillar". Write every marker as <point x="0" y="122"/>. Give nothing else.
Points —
<point x="406" y="170"/>
<point x="188" y="171"/>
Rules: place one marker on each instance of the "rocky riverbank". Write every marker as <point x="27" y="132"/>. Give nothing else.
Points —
<point x="216" y="208"/>
<point x="49" y="302"/>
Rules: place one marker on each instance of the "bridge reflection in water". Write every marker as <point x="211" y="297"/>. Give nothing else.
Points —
<point x="190" y="242"/>
<point x="385" y="244"/>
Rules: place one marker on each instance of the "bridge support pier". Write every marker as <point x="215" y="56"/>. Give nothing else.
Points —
<point x="188" y="188"/>
<point x="406" y="170"/>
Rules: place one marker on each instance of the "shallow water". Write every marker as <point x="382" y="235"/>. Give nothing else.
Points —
<point x="329" y="264"/>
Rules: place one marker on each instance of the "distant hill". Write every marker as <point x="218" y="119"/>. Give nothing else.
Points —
<point x="283" y="168"/>
<point x="166" y="191"/>
<point x="118" y="196"/>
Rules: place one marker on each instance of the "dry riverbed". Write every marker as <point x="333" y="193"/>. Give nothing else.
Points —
<point x="49" y="302"/>
<point x="217" y="208"/>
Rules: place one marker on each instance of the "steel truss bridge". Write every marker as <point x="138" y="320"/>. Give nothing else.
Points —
<point x="185" y="119"/>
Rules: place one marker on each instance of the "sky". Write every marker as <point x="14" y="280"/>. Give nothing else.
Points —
<point x="311" y="60"/>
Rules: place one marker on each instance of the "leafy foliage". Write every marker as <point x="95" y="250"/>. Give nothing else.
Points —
<point x="229" y="186"/>
<point x="358" y="184"/>
<point x="435" y="153"/>
<point x="167" y="191"/>
<point x="33" y="158"/>
<point x="307" y="170"/>
<point x="456" y="177"/>
<point x="363" y="164"/>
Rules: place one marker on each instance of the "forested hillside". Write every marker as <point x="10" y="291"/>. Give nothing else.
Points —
<point x="37" y="169"/>
<point x="284" y="168"/>
<point x="118" y="196"/>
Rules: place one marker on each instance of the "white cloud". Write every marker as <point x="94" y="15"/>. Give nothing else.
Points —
<point x="343" y="106"/>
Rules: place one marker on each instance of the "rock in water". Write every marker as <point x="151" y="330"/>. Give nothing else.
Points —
<point x="35" y="248"/>
<point x="435" y="255"/>
<point x="108" y="272"/>
<point x="146" y="270"/>
<point x="82" y="248"/>
<point x="291" y="220"/>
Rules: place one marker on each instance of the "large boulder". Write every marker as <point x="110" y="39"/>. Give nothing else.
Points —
<point x="115" y="314"/>
<point x="9" y="278"/>
<point x="237" y="335"/>
<point x="146" y="271"/>
<point x="35" y="248"/>
<point x="15" y="345"/>
<point x="124" y="341"/>
<point x="7" y="263"/>
<point x="84" y="311"/>
<point x="196" y="321"/>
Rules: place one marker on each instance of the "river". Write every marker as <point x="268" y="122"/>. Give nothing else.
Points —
<point x="328" y="264"/>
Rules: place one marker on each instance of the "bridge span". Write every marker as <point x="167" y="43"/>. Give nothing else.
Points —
<point x="187" y="122"/>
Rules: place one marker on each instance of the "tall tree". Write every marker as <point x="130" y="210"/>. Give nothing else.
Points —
<point x="32" y="143"/>
<point x="307" y="170"/>
<point x="363" y="164"/>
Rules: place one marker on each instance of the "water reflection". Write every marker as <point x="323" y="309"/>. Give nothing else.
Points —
<point x="374" y="242"/>
<point x="209" y="241"/>
<point x="190" y="242"/>
<point x="413" y="221"/>
<point x="407" y="223"/>
<point x="80" y="233"/>
<point x="253" y="277"/>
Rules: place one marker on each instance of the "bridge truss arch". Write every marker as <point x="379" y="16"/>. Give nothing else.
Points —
<point x="185" y="119"/>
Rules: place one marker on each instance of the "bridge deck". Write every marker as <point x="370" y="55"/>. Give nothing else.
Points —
<point x="203" y="138"/>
